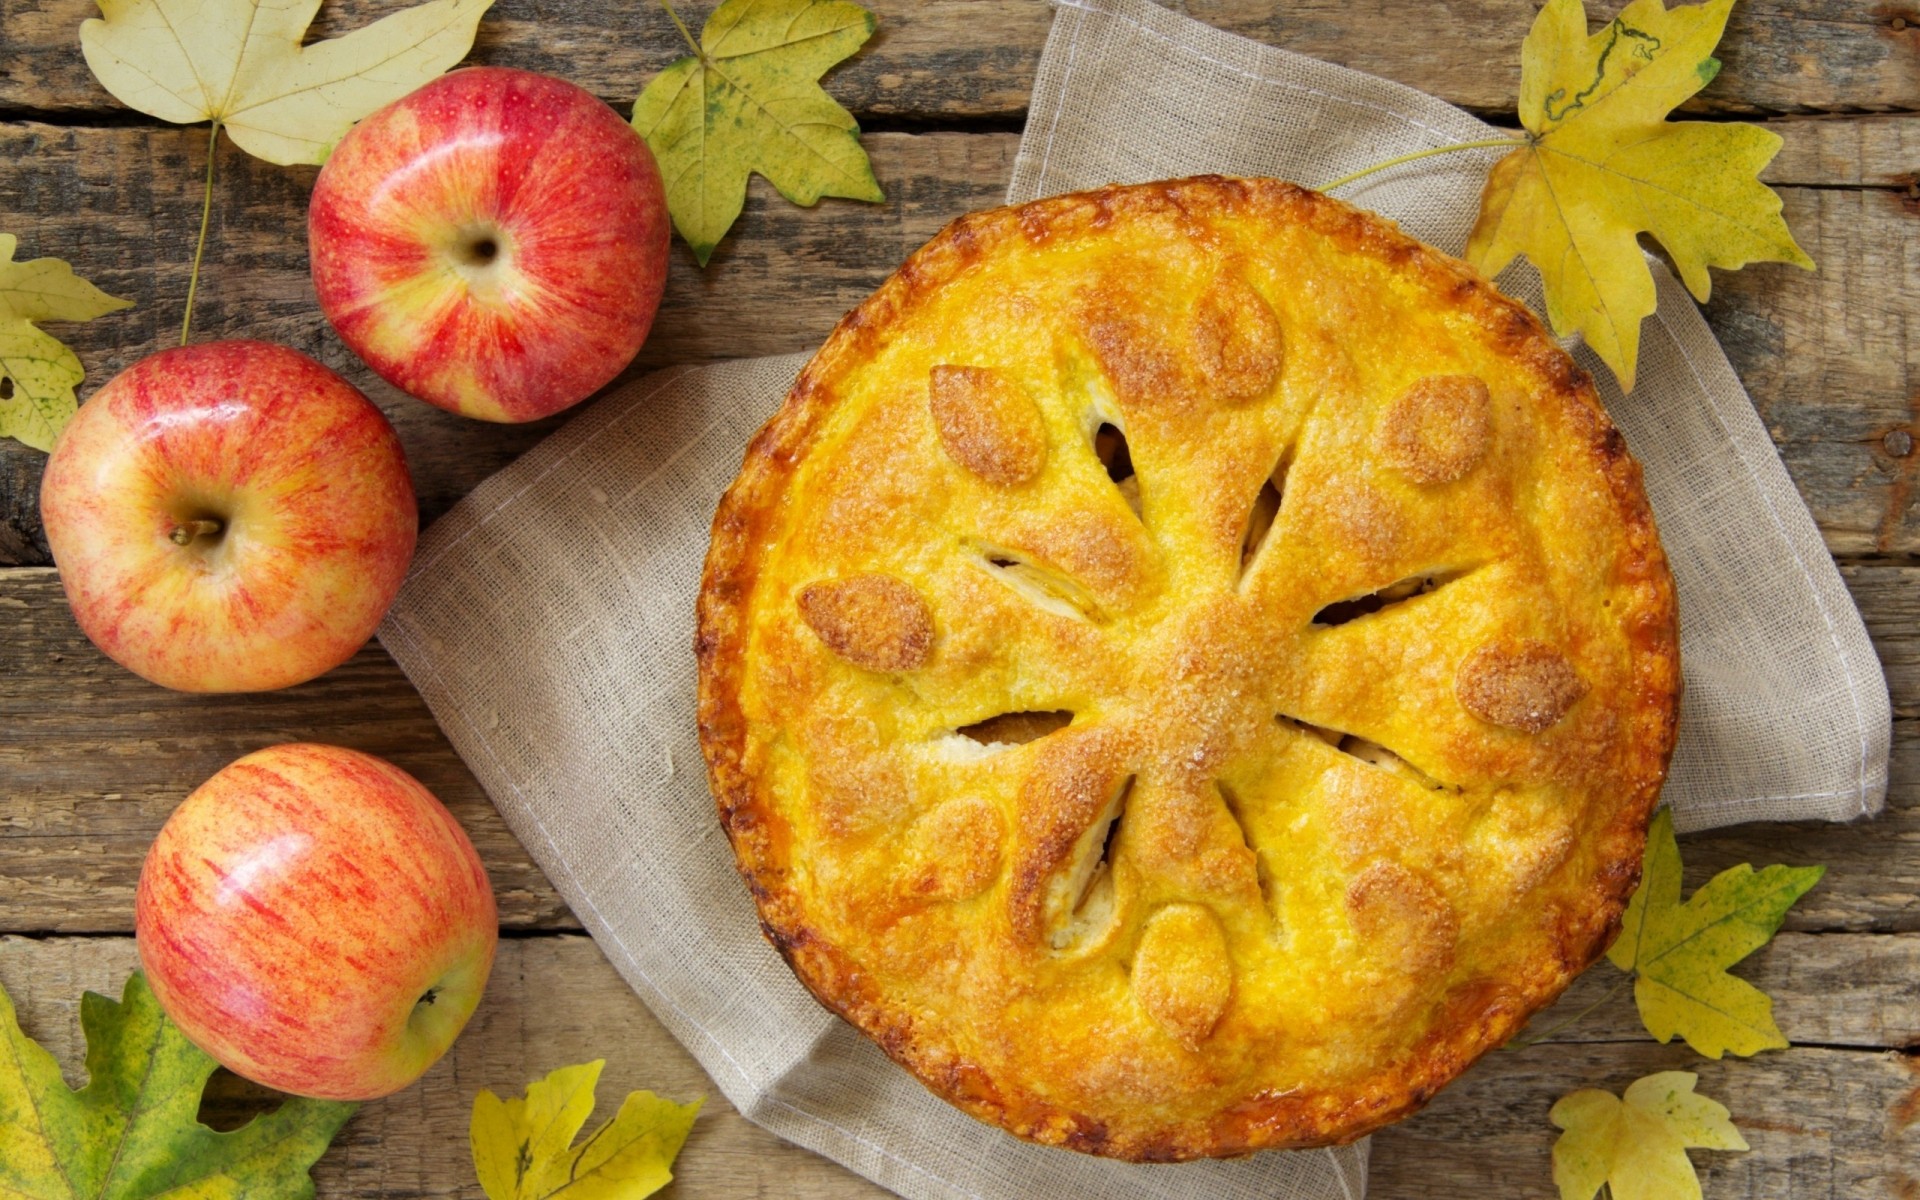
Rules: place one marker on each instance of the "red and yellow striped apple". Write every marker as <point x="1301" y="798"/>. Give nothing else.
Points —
<point x="317" y="922"/>
<point x="230" y="516"/>
<point x="494" y="243"/>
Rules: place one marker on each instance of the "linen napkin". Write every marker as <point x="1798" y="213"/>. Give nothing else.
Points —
<point x="548" y="619"/>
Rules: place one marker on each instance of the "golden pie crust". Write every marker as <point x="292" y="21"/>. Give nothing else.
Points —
<point x="1188" y="669"/>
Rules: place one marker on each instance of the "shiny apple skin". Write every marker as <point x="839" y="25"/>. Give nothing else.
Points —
<point x="306" y="478"/>
<point x="297" y="907"/>
<point x="565" y="194"/>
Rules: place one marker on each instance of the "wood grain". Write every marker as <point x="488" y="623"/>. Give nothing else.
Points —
<point x="1832" y="361"/>
<point x="973" y="59"/>
<point x="92" y="759"/>
<point x="1847" y="152"/>
<point x="1823" y="1122"/>
<point x="1843" y="990"/>
<point x="116" y="203"/>
<point x="96" y="758"/>
<point x="551" y="1001"/>
<point x="1832" y="358"/>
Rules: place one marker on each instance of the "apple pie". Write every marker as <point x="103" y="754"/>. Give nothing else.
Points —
<point x="1188" y="669"/>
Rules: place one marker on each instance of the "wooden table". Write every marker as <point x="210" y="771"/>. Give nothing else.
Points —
<point x="92" y="759"/>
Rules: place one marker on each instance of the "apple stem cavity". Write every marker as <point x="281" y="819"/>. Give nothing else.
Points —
<point x="206" y="213"/>
<point x="187" y="532"/>
<point x="479" y="254"/>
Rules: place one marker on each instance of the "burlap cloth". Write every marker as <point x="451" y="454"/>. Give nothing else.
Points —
<point x="548" y="620"/>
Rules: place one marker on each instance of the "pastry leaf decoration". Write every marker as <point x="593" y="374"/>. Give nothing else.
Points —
<point x="134" y="1132"/>
<point x="1636" y="1145"/>
<point x="1679" y="953"/>
<point x="240" y="64"/>
<point x="38" y="373"/>
<point x="524" y="1149"/>
<point x="1600" y="164"/>
<point x="748" y="100"/>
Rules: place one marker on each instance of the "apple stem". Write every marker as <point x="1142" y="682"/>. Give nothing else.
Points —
<point x="184" y="533"/>
<point x="681" y="26"/>
<point x="206" y="212"/>
<point x="1482" y="144"/>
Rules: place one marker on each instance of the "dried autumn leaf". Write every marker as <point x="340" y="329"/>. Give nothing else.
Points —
<point x="240" y="63"/>
<point x="40" y="372"/>
<point x="1637" y="1147"/>
<point x="134" y="1132"/>
<point x="523" y="1149"/>
<point x="1681" y="952"/>
<point x="748" y="100"/>
<point x="1599" y="164"/>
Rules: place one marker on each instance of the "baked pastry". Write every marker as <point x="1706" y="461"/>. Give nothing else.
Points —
<point x="1188" y="669"/>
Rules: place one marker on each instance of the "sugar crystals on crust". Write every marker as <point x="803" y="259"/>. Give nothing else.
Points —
<point x="1187" y="670"/>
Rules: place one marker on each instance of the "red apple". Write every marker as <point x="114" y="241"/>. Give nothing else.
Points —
<point x="229" y="517"/>
<point x="494" y="243"/>
<point x="317" y="922"/>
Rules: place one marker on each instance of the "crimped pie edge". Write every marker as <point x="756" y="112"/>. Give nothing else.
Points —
<point x="1476" y="1023"/>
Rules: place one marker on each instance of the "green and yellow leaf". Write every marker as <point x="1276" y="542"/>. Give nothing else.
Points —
<point x="749" y="101"/>
<point x="1680" y="952"/>
<point x="1637" y="1146"/>
<point x="241" y="63"/>
<point x="36" y="399"/>
<point x="133" y="1132"/>
<point x="1600" y="164"/>
<point x="523" y="1149"/>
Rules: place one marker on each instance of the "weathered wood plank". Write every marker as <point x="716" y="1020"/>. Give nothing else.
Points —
<point x="976" y="58"/>
<point x="93" y="759"/>
<point x="551" y="1001"/>
<point x="1832" y="359"/>
<point x="1846" y="152"/>
<point x="1858" y="990"/>
<point x="1823" y="1123"/>
<point x="120" y="205"/>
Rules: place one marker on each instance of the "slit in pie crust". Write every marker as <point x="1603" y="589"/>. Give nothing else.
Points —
<point x="1188" y="669"/>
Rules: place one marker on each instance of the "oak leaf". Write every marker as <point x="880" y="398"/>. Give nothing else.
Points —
<point x="1599" y="164"/>
<point x="523" y="1149"/>
<point x="40" y="372"/>
<point x="1637" y="1146"/>
<point x="1680" y="953"/>
<point x="133" y="1132"/>
<point x="240" y="63"/>
<point x="748" y="100"/>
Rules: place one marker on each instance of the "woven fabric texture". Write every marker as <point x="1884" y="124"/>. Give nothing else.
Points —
<point x="548" y="619"/>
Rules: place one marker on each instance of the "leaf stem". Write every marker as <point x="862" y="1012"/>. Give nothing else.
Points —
<point x="1482" y="144"/>
<point x="206" y="212"/>
<point x="1613" y="991"/>
<point x="681" y="26"/>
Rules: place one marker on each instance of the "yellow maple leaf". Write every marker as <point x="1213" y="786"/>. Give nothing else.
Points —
<point x="1637" y="1146"/>
<point x="1600" y="163"/>
<point x="40" y="373"/>
<point x="240" y="63"/>
<point x="1679" y="953"/>
<point x="134" y="1130"/>
<point x="748" y="101"/>
<point x="523" y="1149"/>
